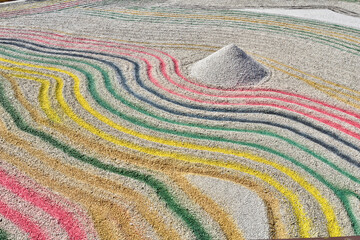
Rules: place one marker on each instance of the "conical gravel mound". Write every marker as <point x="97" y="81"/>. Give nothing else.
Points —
<point x="229" y="67"/>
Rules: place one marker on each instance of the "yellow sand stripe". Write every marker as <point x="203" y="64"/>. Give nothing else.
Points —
<point x="225" y="220"/>
<point x="240" y="19"/>
<point x="214" y="48"/>
<point x="315" y="77"/>
<point x="304" y="222"/>
<point x="325" y="89"/>
<point x="44" y="95"/>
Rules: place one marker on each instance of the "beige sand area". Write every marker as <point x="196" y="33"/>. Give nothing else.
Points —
<point x="171" y="119"/>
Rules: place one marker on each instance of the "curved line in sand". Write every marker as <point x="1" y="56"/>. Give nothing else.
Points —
<point x="22" y="222"/>
<point x="98" y="181"/>
<point x="162" y="192"/>
<point x="304" y="222"/>
<point x="228" y="227"/>
<point x="66" y="219"/>
<point x="308" y="137"/>
<point x="261" y="24"/>
<point x="289" y="141"/>
<point x="324" y="121"/>
<point x="240" y="19"/>
<point x="178" y="72"/>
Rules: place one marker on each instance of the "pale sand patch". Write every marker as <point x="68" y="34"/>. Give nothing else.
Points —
<point x="324" y="15"/>
<point x="247" y="209"/>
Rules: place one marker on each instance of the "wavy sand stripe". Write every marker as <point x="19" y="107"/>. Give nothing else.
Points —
<point x="163" y="66"/>
<point x="101" y="211"/>
<point x="161" y="190"/>
<point x="178" y="72"/>
<point x="79" y="175"/>
<point x="317" y="85"/>
<point x="24" y="223"/>
<point x="106" y="235"/>
<point x="95" y="181"/>
<point x="105" y="151"/>
<point x="144" y="111"/>
<point x="261" y="96"/>
<point x="332" y="92"/>
<point x="342" y="191"/>
<point x="80" y="215"/>
<point x="65" y="218"/>
<point x="39" y="217"/>
<point x="333" y="230"/>
<point x="209" y="205"/>
<point x="241" y="19"/>
<point x="292" y="198"/>
<point x="238" y="22"/>
<point x="242" y="204"/>
<point x="354" y="123"/>
<point x="296" y="209"/>
<point x="12" y="231"/>
<point x="276" y="17"/>
<point x="327" y="148"/>
<point x="267" y="16"/>
<point x="106" y="214"/>
<point x="99" y="182"/>
<point x="355" y="179"/>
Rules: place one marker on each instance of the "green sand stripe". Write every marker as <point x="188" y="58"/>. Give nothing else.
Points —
<point x="143" y="123"/>
<point x="342" y="45"/>
<point x="94" y="93"/>
<point x="263" y="16"/>
<point x="4" y="235"/>
<point x="160" y="189"/>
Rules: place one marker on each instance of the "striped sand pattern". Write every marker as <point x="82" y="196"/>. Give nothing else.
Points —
<point x="109" y="129"/>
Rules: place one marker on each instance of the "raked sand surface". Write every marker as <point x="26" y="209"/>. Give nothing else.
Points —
<point x="179" y="119"/>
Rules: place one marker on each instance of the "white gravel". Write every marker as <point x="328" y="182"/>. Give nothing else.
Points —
<point x="228" y="67"/>
<point x="245" y="206"/>
<point x="324" y="15"/>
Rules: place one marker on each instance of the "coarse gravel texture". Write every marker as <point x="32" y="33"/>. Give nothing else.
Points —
<point x="167" y="119"/>
<point x="228" y="68"/>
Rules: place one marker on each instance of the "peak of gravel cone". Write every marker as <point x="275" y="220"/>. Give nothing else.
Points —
<point x="229" y="67"/>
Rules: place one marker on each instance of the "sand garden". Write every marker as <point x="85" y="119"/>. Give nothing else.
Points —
<point x="171" y="119"/>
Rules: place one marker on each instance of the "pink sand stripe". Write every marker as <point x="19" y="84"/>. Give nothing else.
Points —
<point x="66" y="219"/>
<point x="23" y="222"/>
<point x="156" y="83"/>
<point x="177" y="70"/>
<point x="325" y="121"/>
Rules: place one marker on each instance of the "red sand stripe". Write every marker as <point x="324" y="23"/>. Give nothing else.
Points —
<point x="66" y="219"/>
<point x="178" y="72"/>
<point x="156" y="83"/>
<point x="23" y="222"/>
